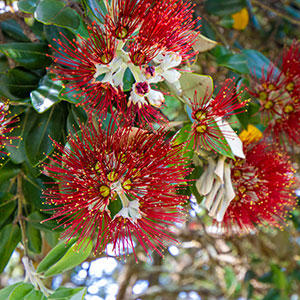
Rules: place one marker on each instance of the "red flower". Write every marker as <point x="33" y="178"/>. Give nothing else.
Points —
<point x="208" y="112"/>
<point x="278" y="95"/>
<point x="79" y="63"/>
<point x="125" y="16"/>
<point x="166" y="27"/>
<point x="118" y="186"/>
<point x="262" y="185"/>
<point x="7" y="125"/>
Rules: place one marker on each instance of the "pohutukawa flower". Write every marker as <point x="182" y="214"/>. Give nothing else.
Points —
<point x="278" y="93"/>
<point x="208" y="113"/>
<point x="147" y="38"/>
<point x="167" y="27"/>
<point x="262" y="184"/>
<point x="7" y="125"/>
<point x="118" y="187"/>
<point x="125" y="16"/>
<point x="82" y="63"/>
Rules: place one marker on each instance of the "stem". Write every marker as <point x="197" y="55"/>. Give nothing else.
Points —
<point x="20" y="215"/>
<point x="275" y="11"/>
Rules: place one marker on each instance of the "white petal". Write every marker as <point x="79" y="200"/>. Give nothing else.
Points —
<point x="171" y="75"/>
<point x="217" y="202"/>
<point x="155" y="98"/>
<point x="219" y="171"/>
<point x="209" y="199"/>
<point x="171" y="60"/>
<point x="118" y="77"/>
<point x="232" y="138"/>
<point x="229" y="194"/>
<point x="135" y="98"/>
<point x="205" y="182"/>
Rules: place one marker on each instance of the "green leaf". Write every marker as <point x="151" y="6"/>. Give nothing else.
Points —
<point x="183" y="136"/>
<point x="37" y="142"/>
<point x="191" y="82"/>
<point x="55" y="255"/>
<point x="63" y="293"/>
<point x="76" y="115"/>
<point x="235" y="62"/>
<point x="35" y="295"/>
<point x="14" y="30"/>
<point x="46" y="95"/>
<point x="17" y="152"/>
<point x="77" y="253"/>
<point x="10" y="236"/>
<point x="7" y="207"/>
<point x="55" y="12"/>
<point x="36" y="218"/>
<point x="257" y="63"/>
<point x="173" y="109"/>
<point x="27" y="6"/>
<point x="4" y="293"/>
<point x="34" y="238"/>
<point x="8" y="171"/>
<point x="223" y="8"/>
<point x="18" y="83"/>
<point x="128" y="80"/>
<point x="20" y="291"/>
<point x="29" y="55"/>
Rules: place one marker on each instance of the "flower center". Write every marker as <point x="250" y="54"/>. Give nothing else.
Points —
<point x="290" y="86"/>
<point x="201" y="128"/>
<point x="150" y="72"/>
<point x="142" y="88"/>
<point x="263" y="96"/>
<point x="121" y="32"/>
<point x="200" y="115"/>
<point x="269" y="104"/>
<point x="104" y="191"/>
<point x="288" y="108"/>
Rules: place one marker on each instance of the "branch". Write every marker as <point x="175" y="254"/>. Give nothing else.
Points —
<point x="275" y="11"/>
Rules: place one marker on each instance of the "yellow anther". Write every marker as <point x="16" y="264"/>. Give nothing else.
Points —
<point x="104" y="191"/>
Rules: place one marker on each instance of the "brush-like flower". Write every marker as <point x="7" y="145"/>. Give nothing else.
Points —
<point x="148" y="39"/>
<point x="278" y="93"/>
<point x="7" y="125"/>
<point x="262" y="184"/>
<point x="208" y="114"/>
<point x="118" y="186"/>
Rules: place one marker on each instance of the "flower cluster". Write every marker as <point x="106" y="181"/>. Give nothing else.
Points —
<point x="143" y="40"/>
<point x="209" y="131"/>
<point x="116" y="185"/>
<point x="262" y="184"/>
<point x="278" y="93"/>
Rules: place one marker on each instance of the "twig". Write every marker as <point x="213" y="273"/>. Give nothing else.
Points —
<point x="20" y="214"/>
<point x="275" y="11"/>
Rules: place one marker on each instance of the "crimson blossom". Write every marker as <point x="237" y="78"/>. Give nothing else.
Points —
<point x="208" y="114"/>
<point x="7" y="125"/>
<point x="117" y="186"/>
<point x="146" y="39"/>
<point x="262" y="184"/>
<point x="278" y="93"/>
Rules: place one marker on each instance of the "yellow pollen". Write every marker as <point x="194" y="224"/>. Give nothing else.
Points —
<point x="201" y="128"/>
<point x="237" y="173"/>
<point x="269" y="104"/>
<point x="97" y="166"/>
<point x="104" y="191"/>
<point x="121" y="32"/>
<point x="263" y="96"/>
<point x="271" y="87"/>
<point x="288" y="108"/>
<point x="200" y="115"/>
<point x="290" y="86"/>
<point x="112" y="176"/>
<point x="127" y="185"/>
<point x="242" y="189"/>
